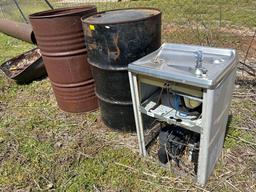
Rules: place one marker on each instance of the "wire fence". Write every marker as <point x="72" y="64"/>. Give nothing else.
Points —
<point x="203" y="22"/>
<point x="19" y="10"/>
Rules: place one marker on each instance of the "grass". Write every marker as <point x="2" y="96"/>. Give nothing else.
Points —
<point x="232" y="12"/>
<point x="45" y="149"/>
<point x="11" y="47"/>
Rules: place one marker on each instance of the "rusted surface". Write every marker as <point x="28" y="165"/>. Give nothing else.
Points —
<point x="76" y="97"/>
<point x="61" y="41"/>
<point x="17" y="30"/>
<point x="69" y="69"/>
<point x="25" y="68"/>
<point x="114" y="39"/>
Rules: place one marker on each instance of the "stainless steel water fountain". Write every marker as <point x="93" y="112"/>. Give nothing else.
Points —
<point x="202" y="78"/>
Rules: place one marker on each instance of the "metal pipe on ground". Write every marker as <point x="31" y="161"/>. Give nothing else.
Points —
<point x="18" y="30"/>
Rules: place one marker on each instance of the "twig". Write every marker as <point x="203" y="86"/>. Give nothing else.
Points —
<point x="38" y="186"/>
<point x="145" y="173"/>
<point x="131" y="168"/>
<point x="250" y="45"/>
<point x="200" y="188"/>
<point x="248" y="66"/>
<point x="247" y="52"/>
<point x="63" y="187"/>
<point x="96" y="189"/>
<point x="252" y="72"/>
<point x="248" y="72"/>
<point x="233" y="186"/>
<point x="85" y="155"/>
<point x="244" y="128"/>
<point x="224" y="174"/>
<point x="244" y="95"/>
<point x="243" y="140"/>
<point x="253" y="101"/>
<point x="198" y="34"/>
<point x="207" y="38"/>
<point x="220" y="16"/>
<point x="163" y="186"/>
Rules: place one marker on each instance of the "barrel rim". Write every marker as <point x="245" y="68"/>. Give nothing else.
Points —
<point x="60" y="12"/>
<point x="64" y="54"/>
<point x="83" y="18"/>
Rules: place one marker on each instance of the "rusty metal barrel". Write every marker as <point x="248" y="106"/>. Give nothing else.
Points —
<point x="114" y="39"/>
<point x="60" y="38"/>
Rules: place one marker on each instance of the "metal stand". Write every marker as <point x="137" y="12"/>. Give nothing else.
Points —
<point x="137" y="113"/>
<point x="211" y="126"/>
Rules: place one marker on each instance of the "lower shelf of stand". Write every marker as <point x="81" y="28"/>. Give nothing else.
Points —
<point x="169" y="115"/>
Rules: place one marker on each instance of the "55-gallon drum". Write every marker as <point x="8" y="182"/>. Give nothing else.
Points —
<point x="114" y="39"/>
<point x="60" y="38"/>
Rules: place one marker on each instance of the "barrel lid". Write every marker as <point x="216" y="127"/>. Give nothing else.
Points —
<point x="121" y="16"/>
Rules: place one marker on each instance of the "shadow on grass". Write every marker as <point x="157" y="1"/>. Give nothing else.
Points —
<point x="230" y="117"/>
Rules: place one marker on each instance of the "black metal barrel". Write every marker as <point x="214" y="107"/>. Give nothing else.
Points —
<point x="114" y="39"/>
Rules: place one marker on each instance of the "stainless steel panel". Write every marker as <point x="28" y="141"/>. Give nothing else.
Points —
<point x="193" y="65"/>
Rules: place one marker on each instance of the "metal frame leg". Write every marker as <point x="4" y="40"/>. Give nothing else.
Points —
<point x="216" y="104"/>
<point x="204" y="140"/>
<point x="137" y="114"/>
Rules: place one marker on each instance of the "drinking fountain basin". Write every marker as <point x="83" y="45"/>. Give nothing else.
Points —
<point x="195" y="65"/>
